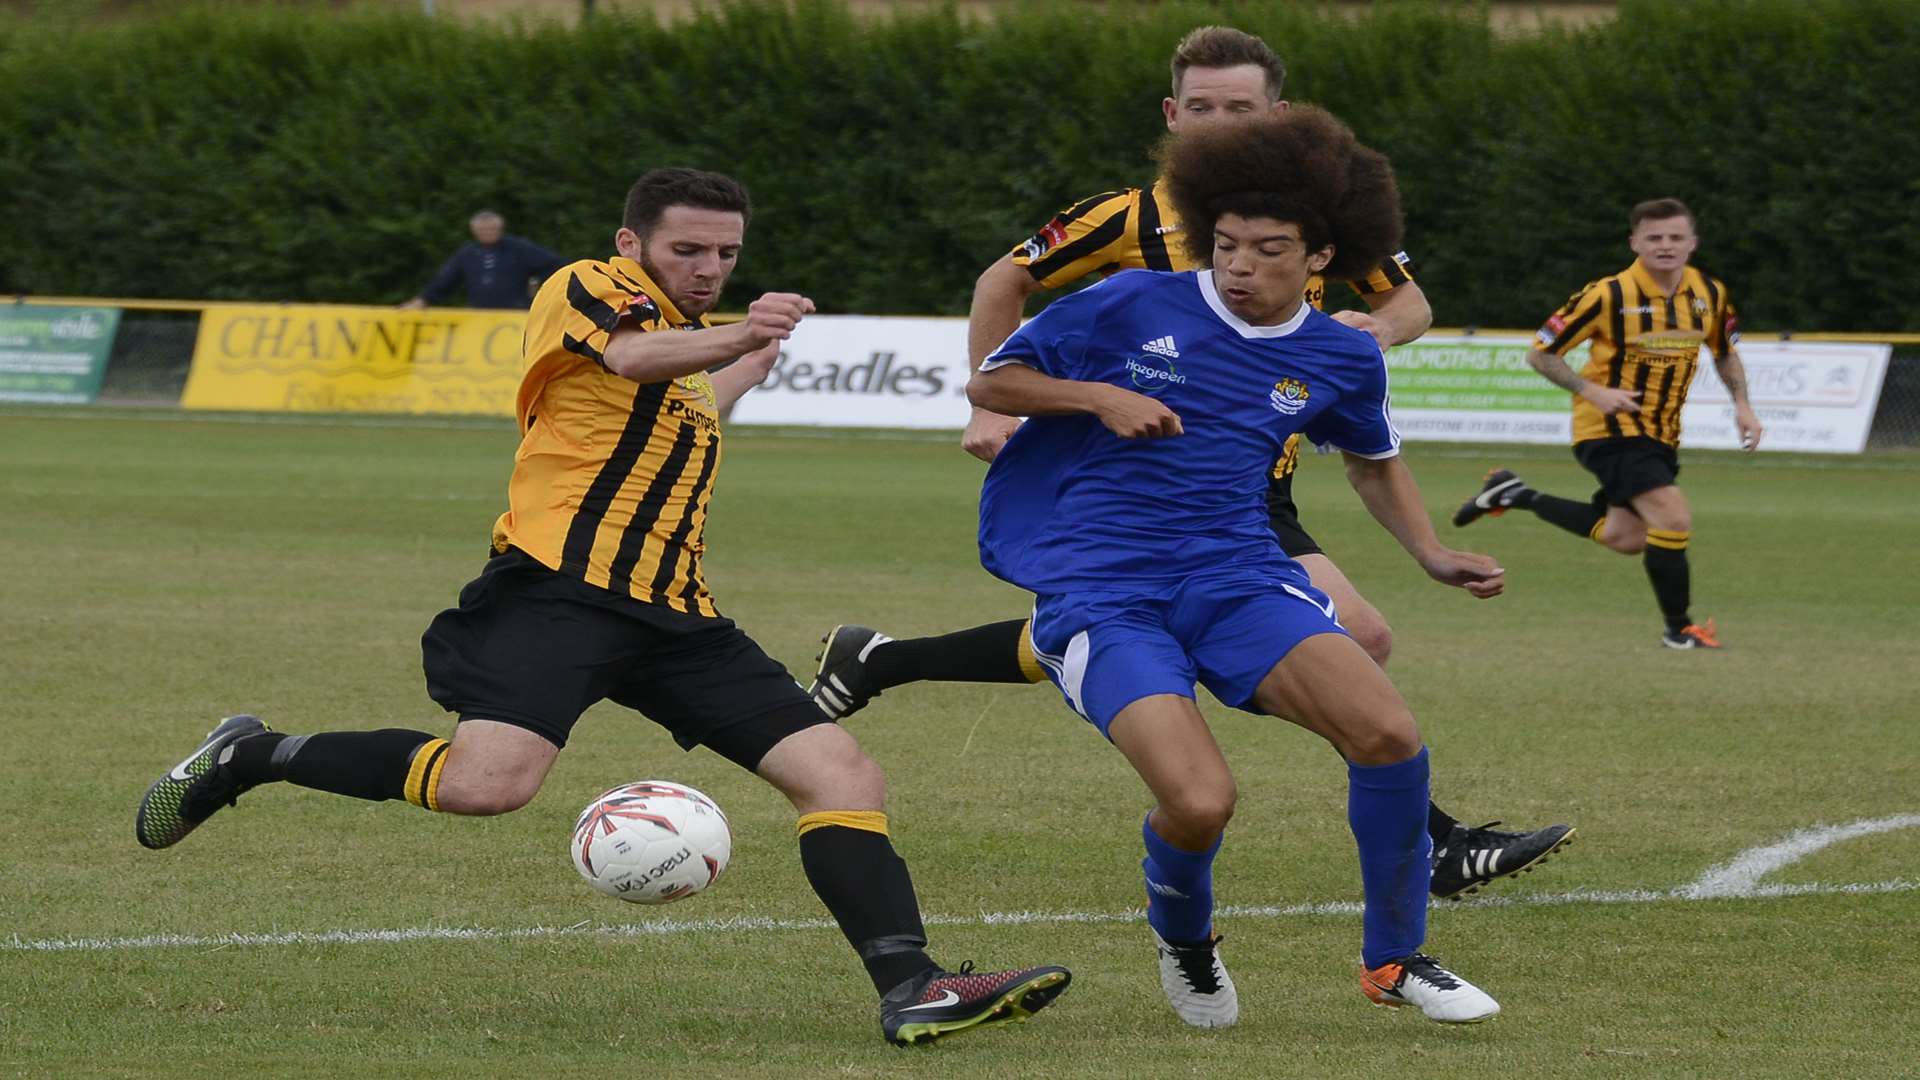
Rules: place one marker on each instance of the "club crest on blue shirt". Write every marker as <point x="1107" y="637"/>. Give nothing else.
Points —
<point x="1289" y="396"/>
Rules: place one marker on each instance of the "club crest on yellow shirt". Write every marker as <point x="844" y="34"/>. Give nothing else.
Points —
<point x="1289" y="396"/>
<point x="698" y="383"/>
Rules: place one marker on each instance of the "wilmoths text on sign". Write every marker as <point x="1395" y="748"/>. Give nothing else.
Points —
<point x="1811" y="396"/>
<point x="324" y="358"/>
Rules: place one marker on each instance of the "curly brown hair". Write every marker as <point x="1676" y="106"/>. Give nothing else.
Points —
<point x="1301" y="165"/>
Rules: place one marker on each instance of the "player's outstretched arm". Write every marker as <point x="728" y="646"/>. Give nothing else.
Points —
<point x="650" y="357"/>
<point x="999" y="298"/>
<point x="1017" y="390"/>
<point x="1388" y="489"/>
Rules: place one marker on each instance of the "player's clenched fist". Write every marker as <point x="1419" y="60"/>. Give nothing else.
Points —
<point x="1132" y="415"/>
<point x="986" y="433"/>
<point x="774" y="315"/>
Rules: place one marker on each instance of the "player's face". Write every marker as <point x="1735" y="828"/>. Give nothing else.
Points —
<point x="1664" y="244"/>
<point x="1209" y="95"/>
<point x="1261" y="267"/>
<point x="689" y="253"/>
<point x="488" y="230"/>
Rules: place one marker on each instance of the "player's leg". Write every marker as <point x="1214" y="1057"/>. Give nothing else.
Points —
<point x="1503" y="491"/>
<point x="516" y="677"/>
<point x="858" y="662"/>
<point x="487" y="768"/>
<point x="1264" y="640"/>
<point x="710" y="684"/>
<point x="1649" y="514"/>
<point x="1667" y="531"/>
<point x="1465" y="857"/>
<point x="1168" y="743"/>
<point x="1118" y="667"/>
<point x="1328" y="685"/>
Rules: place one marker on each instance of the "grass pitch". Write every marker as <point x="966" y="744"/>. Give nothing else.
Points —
<point x="167" y="570"/>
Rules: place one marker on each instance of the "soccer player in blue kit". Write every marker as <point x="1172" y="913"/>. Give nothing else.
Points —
<point x="1132" y="507"/>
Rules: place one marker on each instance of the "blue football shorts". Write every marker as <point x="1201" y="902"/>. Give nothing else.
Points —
<point x="1222" y="629"/>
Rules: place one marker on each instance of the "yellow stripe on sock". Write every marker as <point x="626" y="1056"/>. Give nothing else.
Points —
<point x="434" y="771"/>
<point x="422" y="788"/>
<point x="1670" y="539"/>
<point x="864" y="820"/>
<point x="1594" y="534"/>
<point x="1029" y="663"/>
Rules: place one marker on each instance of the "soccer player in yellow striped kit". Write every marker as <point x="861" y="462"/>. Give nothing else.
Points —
<point x="1647" y="324"/>
<point x="594" y="591"/>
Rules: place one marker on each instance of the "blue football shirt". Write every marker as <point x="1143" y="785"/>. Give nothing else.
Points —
<point x="1069" y="506"/>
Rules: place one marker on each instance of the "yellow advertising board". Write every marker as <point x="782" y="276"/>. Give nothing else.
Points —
<point x="328" y="358"/>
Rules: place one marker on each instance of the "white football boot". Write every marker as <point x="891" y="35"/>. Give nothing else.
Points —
<point x="1197" y="983"/>
<point x="1420" y="980"/>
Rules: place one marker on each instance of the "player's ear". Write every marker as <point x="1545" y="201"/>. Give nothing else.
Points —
<point x="1169" y="108"/>
<point x="627" y="242"/>
<point x="1317" y="261"/>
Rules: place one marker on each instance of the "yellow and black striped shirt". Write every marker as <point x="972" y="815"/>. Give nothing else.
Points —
<point x="1642" y="339"/>
<point x="612" y="478"/>
<point x="1138" y="229"/>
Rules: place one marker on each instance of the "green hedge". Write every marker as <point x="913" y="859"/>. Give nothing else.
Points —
<point x="298" y="154"/>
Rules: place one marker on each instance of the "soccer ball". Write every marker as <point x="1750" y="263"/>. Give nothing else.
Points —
<point x="652" y="842"/>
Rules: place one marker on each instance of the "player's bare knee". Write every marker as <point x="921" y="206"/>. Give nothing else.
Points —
<point x="857" y="783"/>
<point x="1626" y="544"/>
<point x="1199" y="814"/>
<point x="1387" y="741"/>
<point x="482" y="785"/>
<point x="823" y="768"/>
<point x="1374" y="636"/>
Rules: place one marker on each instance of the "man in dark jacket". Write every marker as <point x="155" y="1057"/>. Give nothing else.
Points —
<point x="494" y="270"/>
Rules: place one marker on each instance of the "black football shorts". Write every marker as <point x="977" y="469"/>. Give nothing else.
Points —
<point x="535" y="648"/>
<point x="1284" y="519"/>
<point x="1627" y="467"/>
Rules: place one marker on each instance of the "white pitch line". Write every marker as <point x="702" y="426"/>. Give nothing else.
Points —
<point x="1740" y="875"/>
<point x="651" y="927"/>
<point x="1737" y="879"/>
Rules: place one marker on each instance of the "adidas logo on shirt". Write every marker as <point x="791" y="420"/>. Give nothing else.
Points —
<point x="1162" y="346"/>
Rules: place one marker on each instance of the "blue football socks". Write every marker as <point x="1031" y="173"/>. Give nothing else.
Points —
<point x="1180" y="888"/>
<point x="1387" y="810"/>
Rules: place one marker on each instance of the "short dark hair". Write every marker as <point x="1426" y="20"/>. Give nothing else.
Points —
<point x="1300" y="165"/>
<point x="1658" y="209"/>
<point x="660" y="188"/>
<point x="1225" y="47"/>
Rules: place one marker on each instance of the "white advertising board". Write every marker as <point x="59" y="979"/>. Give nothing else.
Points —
<point x="1811" y="396"/>
<point x="866" y="371"/>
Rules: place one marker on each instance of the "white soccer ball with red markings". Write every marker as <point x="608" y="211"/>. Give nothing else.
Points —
<point x="653" y="842"/>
